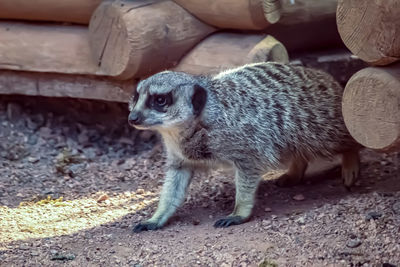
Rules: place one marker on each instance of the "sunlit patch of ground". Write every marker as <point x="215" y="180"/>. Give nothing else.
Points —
<point x="54" y="217"/>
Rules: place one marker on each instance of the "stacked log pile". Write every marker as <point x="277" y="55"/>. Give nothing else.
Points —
<point x="100" y="49"/>
<point x="371" y="100"/>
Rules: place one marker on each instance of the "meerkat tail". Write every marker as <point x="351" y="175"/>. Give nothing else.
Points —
<point x="172" y="196"/>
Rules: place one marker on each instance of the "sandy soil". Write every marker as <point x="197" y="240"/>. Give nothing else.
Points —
<point x="74" y="179"/>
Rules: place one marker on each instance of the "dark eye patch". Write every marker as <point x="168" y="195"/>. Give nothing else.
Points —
<point x="159" y="102"/>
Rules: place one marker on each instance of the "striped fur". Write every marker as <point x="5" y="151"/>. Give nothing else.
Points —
<point x="256" y="118"/>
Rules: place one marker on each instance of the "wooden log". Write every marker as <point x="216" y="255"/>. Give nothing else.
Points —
<point x="76" y="11"/>
<point x="234" y="14"/>
<point x="134" y="39"/>
<point x="46" y="48"/>
<point x="371" y="107"/>
<point x="222" y="51"/>
<point x="294" y="12"/>
<point x="371" y="29"/>
<point x="63" y="85"/>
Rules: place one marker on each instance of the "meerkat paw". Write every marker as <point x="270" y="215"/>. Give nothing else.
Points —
<point x="229" y="221"/>
<point x="146" y="226"/>
<point x="350" y="175"/>
<point x="350" y="168"/>
<point x="287" y="180"/>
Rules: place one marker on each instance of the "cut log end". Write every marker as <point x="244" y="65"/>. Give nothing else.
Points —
<point x="134" y="39"/>
<point x="370" y="29"/>
<point x="371" y="107"/>
<point x="272" y="10"/>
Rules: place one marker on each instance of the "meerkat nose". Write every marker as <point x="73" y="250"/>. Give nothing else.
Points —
<point x="134" y="118"/>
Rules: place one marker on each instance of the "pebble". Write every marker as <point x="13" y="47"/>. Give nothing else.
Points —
<point x="353" y="243"/>
<point x="24" y="247"/>
<point x="301" y="220"/>
<point x="140" y="191"/>
<point x="102" y="198"/>
<point x="299" y="197"/>
<point x="33" y="159"/>
<point x="62" y="257"/>
<point x="34" y="253"/>
<point x="267" y="209"/>
<point x="373" y="215"/>
<point x="396" y="207"/>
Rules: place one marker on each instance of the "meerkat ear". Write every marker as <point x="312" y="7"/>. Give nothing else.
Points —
<point x="199" y="99"/>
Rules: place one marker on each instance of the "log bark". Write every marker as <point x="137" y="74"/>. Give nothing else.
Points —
<point x="223" y="51"/>
<point x="63" y="85"/>
<point x="76" y="11"/>
<point x="46" y="48"/>
<point x="135" y="39"/>
<point x="371" y="29"/>
<point x="294" y="12"/>
<point x="234" y="14"/>
<point x="371" y="107"/>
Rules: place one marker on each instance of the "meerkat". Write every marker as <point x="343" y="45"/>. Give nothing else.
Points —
<point x="253" y="118"/>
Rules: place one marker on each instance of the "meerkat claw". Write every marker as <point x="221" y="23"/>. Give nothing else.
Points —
<point x="140" y="227"/>
<point x="228" y="221"/>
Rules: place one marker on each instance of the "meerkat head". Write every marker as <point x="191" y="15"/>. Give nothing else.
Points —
<point x="167" y="100"/>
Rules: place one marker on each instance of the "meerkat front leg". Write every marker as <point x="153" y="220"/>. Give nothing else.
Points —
<point x="246" y="187"/>
<point x="172" y="196"/>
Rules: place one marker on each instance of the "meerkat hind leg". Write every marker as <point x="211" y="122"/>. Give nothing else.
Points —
<point x="295" y="173"/>
<point x="246" y="187"/>
<point x="350" y="167"/>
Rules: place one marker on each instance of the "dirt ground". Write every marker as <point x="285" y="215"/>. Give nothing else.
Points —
<point x="75" y="178"/>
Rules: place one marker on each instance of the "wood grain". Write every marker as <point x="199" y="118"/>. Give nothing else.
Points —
<point x="371" y="29"/>
<point x="46" y="48"/>
<point x="76" y="11"/>
<point x="134" y="39"/>
<point x="222" y="51"/>
<point x="371" y="107"/>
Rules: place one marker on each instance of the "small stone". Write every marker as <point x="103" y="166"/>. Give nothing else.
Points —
<point x="196" y="221"/>
<point x="299" y="197"/>
<point x="267" y="209"/>
<point x="373" y="215"/>
<point x="62" y="257"/>
<point x="301" y="220"/>
<point x="102" y="198"/>
<point x="140" y="191"/>
<point x="353" y="243"/>
<point x="396" y="207"/>
<point x="24" y="247"/>
<point x="33" y="159"/>
<point x="34" y="253"/>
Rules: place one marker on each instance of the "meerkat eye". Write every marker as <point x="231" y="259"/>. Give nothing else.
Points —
<point x="160" y="101"/>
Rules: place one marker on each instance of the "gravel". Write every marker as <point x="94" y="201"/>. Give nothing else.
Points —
<point x="75" y="178"/>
